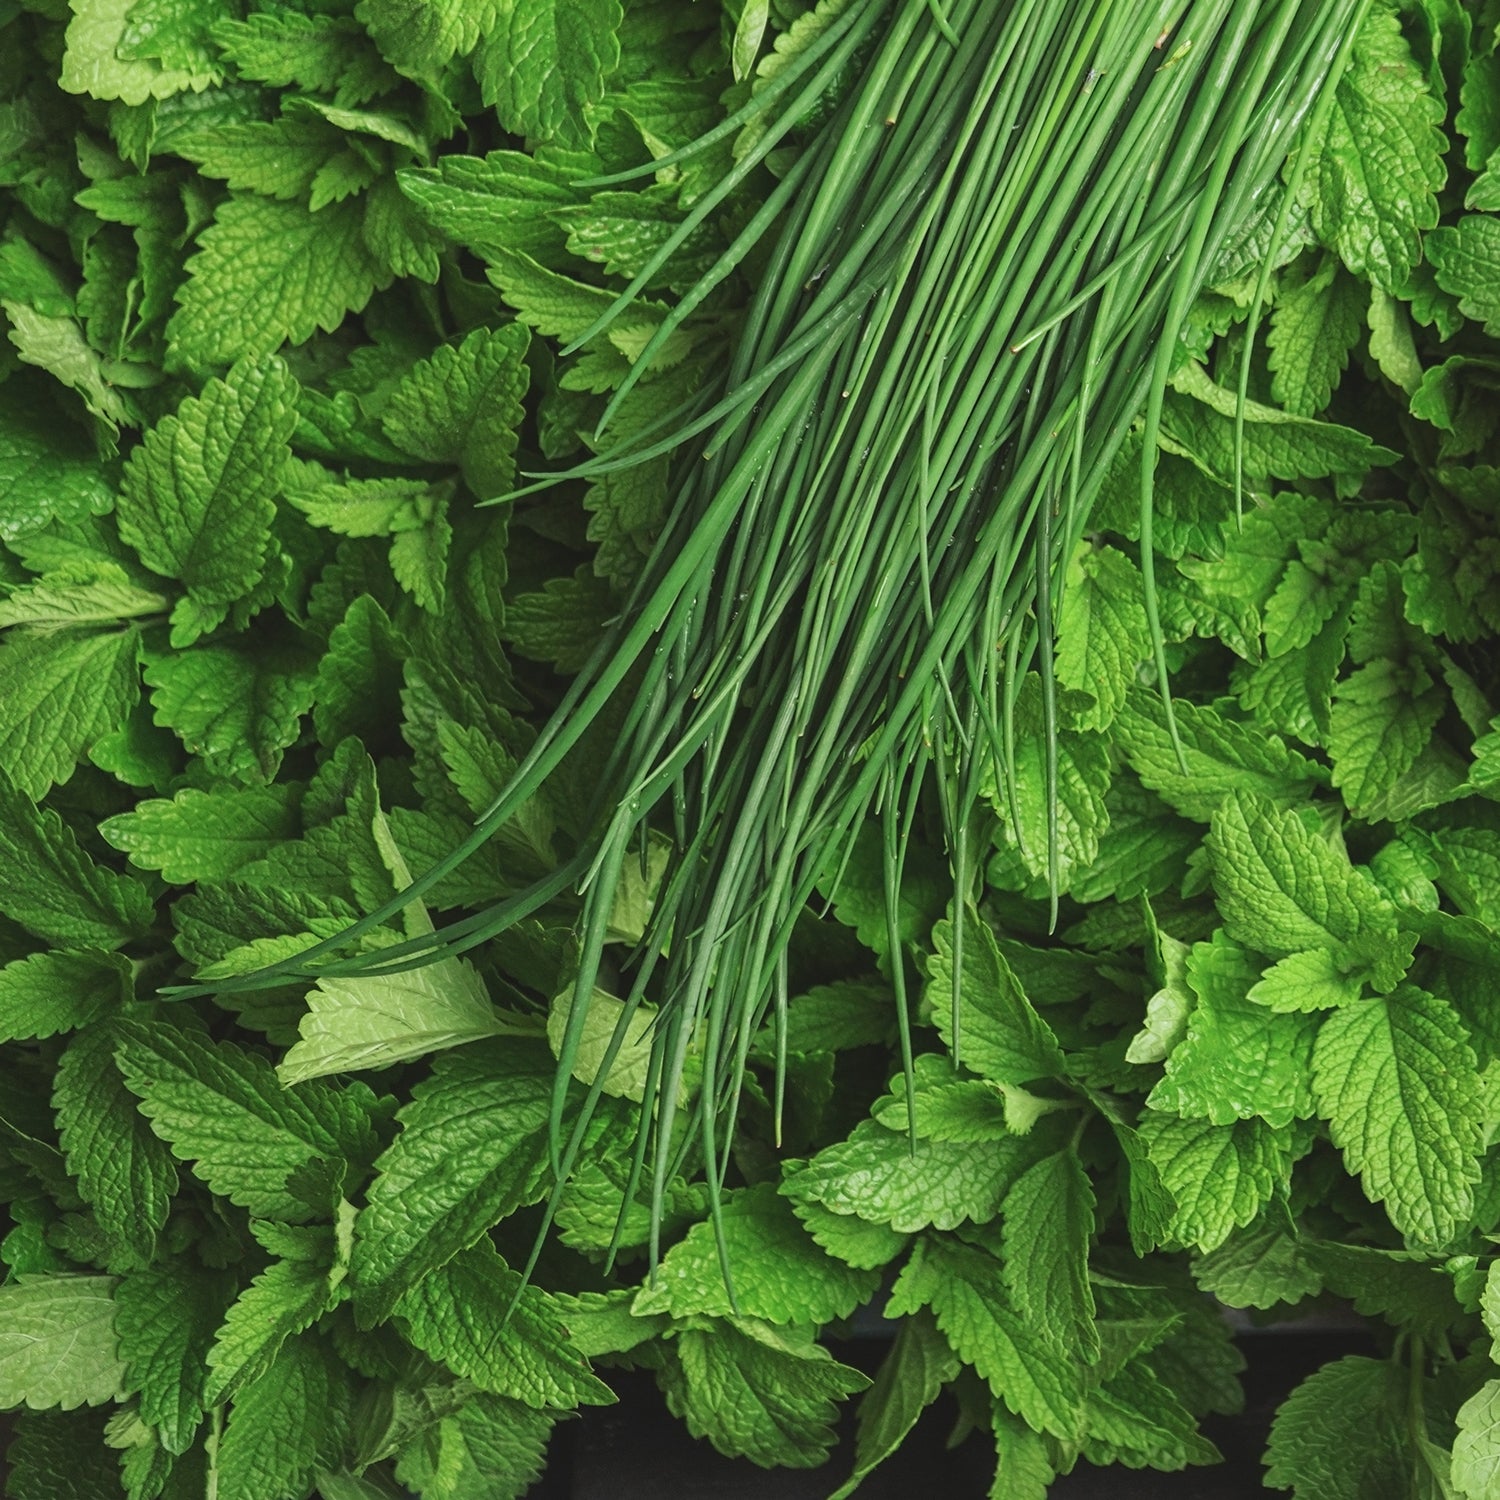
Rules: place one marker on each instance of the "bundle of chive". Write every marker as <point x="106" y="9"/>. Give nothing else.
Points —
<point x="982" y="262"/>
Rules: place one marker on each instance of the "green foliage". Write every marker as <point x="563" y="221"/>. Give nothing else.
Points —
<point x="290" y="294"/>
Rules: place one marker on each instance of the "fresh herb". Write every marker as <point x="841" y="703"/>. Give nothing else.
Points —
<point x="292" y="291"/>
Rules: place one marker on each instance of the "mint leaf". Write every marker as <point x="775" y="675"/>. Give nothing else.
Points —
<point x="1219" y="1176"/>
<point x="757" y="1392"/>
<point x="376" y="1020"/>
<point x="1237" y="1060"/>
<point x="280" y="1422"/>
<point x="1222" y="756"/>
<point x="779" y="1273"/>
<point x="472" y="1149"/>
<point x="1315" y="323"/>
<point x="1048" y="1223"/>
<point x="490" y="1449"/>
<point x="1259" y="1266"/>
<point x="96" y="62"/>
<point x="419" y="36"/>
<point x="63" y="693"/>
<point x="59" y="346"/>
<point x="1101" y="626"/>
<point x="287" y="1297"/>
<point x="1466" y="262"/>
<point x="1338" y="1435"/>
<point x="474" y="1316"/>
<point x="855" y="1241"/>
<point x="1283" y="888"/>
<point x="267" y="273"/>
<point x="321" y="53"/>
<point x="199" y="493"/>
<point x="236" y="708"/>
<point x="204" y="835"/>
<point x="877" y="1175"/>
<point x="1397" y="1082"/>
<point x="1376" y="172"/>
<point x="46" y="993"/>
<point x="54" y="889"/>
<point x="1000" y="1033"/>
<point x="463" y="406"/>
<point x="57" y="1342"/>
<point x="123" y="1171"/>
<point x="47" y="469"/>
<point x="224" y="1112"/>
<point x="1030" y="1370"/>
<point x="544" y="62"/>
<point x="165" y="1322"/>
<point x="1476" y="1449"/>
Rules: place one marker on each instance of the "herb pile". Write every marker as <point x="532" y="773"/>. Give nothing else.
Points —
<point x="290" y="289"/>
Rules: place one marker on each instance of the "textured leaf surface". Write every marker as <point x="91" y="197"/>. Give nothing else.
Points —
<point x="1101" y="632"/>
<point x="51" y="992"/>
<point x="267" y="273"/>
<point x="779" y="1273"/>
<point x="1397" y="1082"/>
<point x="287" y="1297"/>
<point x="1000" y="1033"/>
<point x="204" y="835"/>
<point x="57" y="1342"/>
<point x="472" y="1149"/>
<point x="62" y="694"/>
<point x="54" y="889"/>
<point x="165" y="1322"/>
<point x="199" y="493"/>
<point x="1337" y="1436"/>
<point x="756" y="1392"/>
<point x="877" y="1175"/>
<point x="1476" y="1449"/>
<point x="223" y="1110"/>
<point x="1047" y="1229"/>
<point x="468" y="1314"/>
<point x="123" y="1170"/>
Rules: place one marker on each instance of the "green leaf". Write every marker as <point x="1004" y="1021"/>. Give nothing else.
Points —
<point x="58" y="345"/>
<point x="48" y="469"/>
<point x="1476" y="1449"/>
<point x="54" y="890"/>
<point x="544" y="62"/>
<point x="1383" y="717"/>
<point x="223" y="1111"/>
<point x="463" y="406"/>
<point x="46" y="993"/>
<point x="757" y="1392"/>
<point x="855" y="1241"/>
<point x="1238" y="1059"/>
<point x="269" y="272"/>
<point x="1222" y="756"/>
<point x="472" y="1149"/>
<point x="320" y="53"/>
<point x="502" y="200"/>
<point x="878" y="1175"/>
<point x="279" y="158"/>
<point x="945" y="1106"/>
<point x="1048" y="1225"/>
<point x="779" y="1273"/>
<point x="1376" y="171"/>
<point x="1315" y="323"/>
<point x="1001" y="1036"/>
<point x="1283" y="888"/>
<point x="1338" y="1436"/>
<point x="58" y="1455"/>
<point x="1314" y="980"/>
<point x="1030" y="1370"/>
<point x="377" y="1020"/>
<point x="490" y="1449"/>
<point x="1259" y="1266"/>
<point x="1101" y="631"/>
<point x="239" y="709"/>
<point x="62" y="693"/>
<point x="88" y="594"/>
<point x="287" y="1297"/>
<point x="420" y="36"/>
<point x="97" y="63"/>
<point x="279" y="1423"/>
<point x="123" y="1171"/>
<point x="1466" y="262"/>
<point x="204" y="835"/>
<point x="165" y="1321"/>
<point x="562" y="621"/>
<point x="57" y="1342"/>
<point x="199" y="493"/>
<point x="474" y="1315"/>
<point x="1397" y="1082"/>
<point x="911" y="1375"/>
<point x="1220" y="1176"/>
<point x="1135" y="1418"/>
